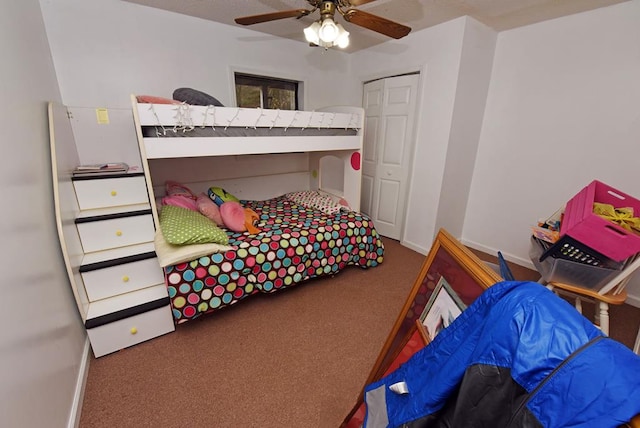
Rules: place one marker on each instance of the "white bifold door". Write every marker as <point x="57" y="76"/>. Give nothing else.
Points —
<point x="390" y="109"/>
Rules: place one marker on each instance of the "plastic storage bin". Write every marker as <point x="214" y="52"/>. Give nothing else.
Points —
<point x="603" y="236"/>
<point x="568" y="248"/>
<point x="569" y="272"/>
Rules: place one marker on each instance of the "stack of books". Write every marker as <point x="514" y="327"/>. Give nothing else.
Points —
<point x="101" y="169"/>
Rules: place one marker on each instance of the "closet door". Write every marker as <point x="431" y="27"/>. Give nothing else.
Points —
<point x="390" y="109"/>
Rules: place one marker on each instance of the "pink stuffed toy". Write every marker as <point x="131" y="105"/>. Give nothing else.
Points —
<point x="209" y="209"/>
<point x="179" y="195"/>
<point x="180" y="201"/>
<point x="233" y="216"/>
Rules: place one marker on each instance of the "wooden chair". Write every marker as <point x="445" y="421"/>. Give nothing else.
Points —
<point x="613" y="293"/>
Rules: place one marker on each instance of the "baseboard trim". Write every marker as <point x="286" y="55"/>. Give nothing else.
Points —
<point x="633" y="300"/>
<point x="508" y="257"/>
<point x="414" y="247"/>
<point x="81" y="382"/>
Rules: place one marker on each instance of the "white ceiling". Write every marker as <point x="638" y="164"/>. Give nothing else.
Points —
<point x="417" y="14"/>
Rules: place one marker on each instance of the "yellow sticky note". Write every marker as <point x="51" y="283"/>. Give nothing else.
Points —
<point x="102" y="114"/>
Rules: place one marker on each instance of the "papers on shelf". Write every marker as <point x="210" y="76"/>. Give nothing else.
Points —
<point x="101" y="168"/>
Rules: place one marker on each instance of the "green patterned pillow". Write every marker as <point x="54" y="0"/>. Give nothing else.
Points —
<point x="181" y="226"/>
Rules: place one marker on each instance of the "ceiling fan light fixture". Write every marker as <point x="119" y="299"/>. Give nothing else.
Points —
<point x="343" y="37"/>
<point x="328" y="30"/>
<point x="311" y="33"/>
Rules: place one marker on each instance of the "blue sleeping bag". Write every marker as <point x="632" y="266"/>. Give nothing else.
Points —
<point x="519" y="356"/>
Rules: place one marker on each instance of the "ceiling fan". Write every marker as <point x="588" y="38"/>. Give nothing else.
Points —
<point x="326" y="32"/>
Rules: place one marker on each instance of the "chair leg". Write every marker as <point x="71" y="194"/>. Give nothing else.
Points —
<point x="636" y="347"/>
<point x="579" y="305"/>
<point x="603" y="313"/>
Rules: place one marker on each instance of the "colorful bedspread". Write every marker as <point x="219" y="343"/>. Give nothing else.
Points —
<point x="295" y="243"/>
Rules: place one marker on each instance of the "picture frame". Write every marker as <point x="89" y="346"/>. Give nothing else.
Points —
<point x="468" y="277"/>
<point x="443" y="307"/>
<point x="415" y="339"/>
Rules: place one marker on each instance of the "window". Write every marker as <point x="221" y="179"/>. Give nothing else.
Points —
<point x="266" y="92"/>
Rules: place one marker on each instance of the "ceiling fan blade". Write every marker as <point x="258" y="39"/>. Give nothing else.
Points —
<point x="376" y="23"/>
<point x="359" y="2"/>
<point x="265" y="17"/>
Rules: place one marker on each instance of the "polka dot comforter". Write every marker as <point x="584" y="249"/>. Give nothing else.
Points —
<point x="295" y="244"/>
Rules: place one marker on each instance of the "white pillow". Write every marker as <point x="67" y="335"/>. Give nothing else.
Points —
<point x="169" y="254"/>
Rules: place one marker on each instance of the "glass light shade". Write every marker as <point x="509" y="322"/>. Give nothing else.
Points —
<point x="328" y="31"/>
<point x="343" y="37"/>
<point x="311" y="33"/>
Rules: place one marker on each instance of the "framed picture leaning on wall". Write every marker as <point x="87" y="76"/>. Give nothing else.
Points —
<point x="467" y="277"/>
<point x="443" y="307"/>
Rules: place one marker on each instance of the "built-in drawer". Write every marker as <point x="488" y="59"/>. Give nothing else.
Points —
<point x="101" y="192"/>
<point x="112" y="277"/>
<point x="111" y="337"/>
<point x="102" y="232"/>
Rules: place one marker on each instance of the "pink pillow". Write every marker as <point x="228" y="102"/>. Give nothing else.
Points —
<point x="209" y="209"/>
<point x="180" y="201"/>
<point x="233" y="216"/>
<point x="155" y="100"/>
<point x="173" y="188"/>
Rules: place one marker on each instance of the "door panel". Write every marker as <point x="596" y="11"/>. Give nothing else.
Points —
<point x="389" y="190"/>
<point x="390" y="106"/>
<point x="394" y="129"/>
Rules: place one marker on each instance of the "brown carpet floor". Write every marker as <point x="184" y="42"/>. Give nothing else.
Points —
<point x="297" y="358"/>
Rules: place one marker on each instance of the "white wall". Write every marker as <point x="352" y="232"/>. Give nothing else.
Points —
<point x="563" y="109"/>
<point x="105" y="50"/>
<point x="474" y="74"/>
<point x="42" y="338"/>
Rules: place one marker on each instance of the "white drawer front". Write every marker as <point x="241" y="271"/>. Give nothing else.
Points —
<point x="120" y="279"/>
<point x="114" y="233"/>
<point x="127" y="332"/>
<point x="110" y="192"/>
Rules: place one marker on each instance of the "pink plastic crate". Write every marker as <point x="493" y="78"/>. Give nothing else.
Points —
<point x="604" y="236"/>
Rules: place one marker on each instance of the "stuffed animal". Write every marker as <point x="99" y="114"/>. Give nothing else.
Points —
<point x="220" y="196"/>
<point x="239" y="219"/>
<point x="250" y="219"/>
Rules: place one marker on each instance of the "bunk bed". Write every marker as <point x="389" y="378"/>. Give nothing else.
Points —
<point x="306" y="225"/>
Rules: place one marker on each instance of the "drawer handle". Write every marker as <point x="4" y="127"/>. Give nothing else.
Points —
<point x="118" y="233"/>
<point x="125" y="278"/>
<point x="133" y="330"/>
<point x="114" y="193"/>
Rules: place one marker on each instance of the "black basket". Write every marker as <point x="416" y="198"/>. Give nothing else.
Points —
<point x="567" y="248"/>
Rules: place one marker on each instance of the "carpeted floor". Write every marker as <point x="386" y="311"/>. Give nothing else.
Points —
<point x="297" y="358"/>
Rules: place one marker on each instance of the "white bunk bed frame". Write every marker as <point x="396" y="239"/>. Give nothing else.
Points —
<point x="321" y="150"/>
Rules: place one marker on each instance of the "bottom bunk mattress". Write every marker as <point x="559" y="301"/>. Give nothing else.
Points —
<point x="295" y="243"/>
